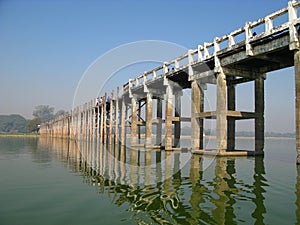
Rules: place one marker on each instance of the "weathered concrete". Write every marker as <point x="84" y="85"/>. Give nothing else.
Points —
<point x="117" y="120"/>
<point x="111" y="119"/>
<point x="134" y="121"/>
<point x="105" y="120"/>
<point x="231" y="120"/>
<point x="221" y="113"/>
<point x="259" y="112"/>
<point x="169" y="117"/>
<point x="148" y="137"/>
<point x="177" y="123"/>
<point x="123" y="119"/>
<point x="195" y="110"/>
<point x="159" y="123"/>
<point x="297" y="102"/>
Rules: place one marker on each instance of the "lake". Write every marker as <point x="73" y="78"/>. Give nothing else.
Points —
<point x="56" y="181"/>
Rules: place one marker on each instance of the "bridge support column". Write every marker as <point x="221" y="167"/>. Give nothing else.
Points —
<point x="105" y="119"/>
<point x="111" y="121"/>
<point x="159" y="124"/>
<point x="98" y="115"/>
<point x="177" y="124"/>
<point x="101" y="119"/>
<point x="230" y="120"/>
<point x="196" y="123"/>
<point x="117" y="117"/>
<point x="139" y="119"/>
<point x="148" y="136"/>
<point x="259" y="112"/>
<point x="221" y="113"/>
<point x="297" y="103"/>
<point x="169" y="117"/>
<point x="123" y="118"/>
<point x="134" y="121"/>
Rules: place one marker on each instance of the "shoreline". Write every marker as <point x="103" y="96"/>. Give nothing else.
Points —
<point x="18" y="135"/>
<point x="128" y="135"/>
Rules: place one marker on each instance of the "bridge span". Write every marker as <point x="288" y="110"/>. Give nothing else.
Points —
<point x="244" y="55"/>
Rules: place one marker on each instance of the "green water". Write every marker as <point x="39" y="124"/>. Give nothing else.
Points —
<point x="51" y="181"/>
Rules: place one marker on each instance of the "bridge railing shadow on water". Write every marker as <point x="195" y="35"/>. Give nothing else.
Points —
<point x="158" y="189"/>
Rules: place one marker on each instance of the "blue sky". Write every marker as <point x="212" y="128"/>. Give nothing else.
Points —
<point x="46" y="46"/>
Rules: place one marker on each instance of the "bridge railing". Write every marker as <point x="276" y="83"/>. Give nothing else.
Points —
<point x="241" y="37"/>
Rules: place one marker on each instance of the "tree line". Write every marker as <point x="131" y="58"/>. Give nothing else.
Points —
<point x="18" y="124"/>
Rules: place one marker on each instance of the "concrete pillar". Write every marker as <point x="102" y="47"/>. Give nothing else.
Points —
<point x="123" y="118"/>
<point x="231" y="121"/>
<point x="93" y="121"/>
<point x="89" y="120"/>
<point x="177" y="125"/>
<point x="104" y="120"/>
<point x="117" y="117"/>
<point x="221" y="113"/>
<point x="111" y="121"/>
<point x="83" y="113"/>
<point x="297" y="102"/>
<point x="139" y="116"/>
<point x="159" y="124"/>
<point x="169" y="117"/>
<point x="134" y="120"/>
<point x="196" y="123"/>
<point x="259" y="112"/>
<point x="98" y="122"/>
<point x="148" y="137"/>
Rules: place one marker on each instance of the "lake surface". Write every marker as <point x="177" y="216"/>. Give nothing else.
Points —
<point x="54" y="181"/>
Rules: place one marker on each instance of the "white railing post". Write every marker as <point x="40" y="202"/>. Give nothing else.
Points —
<point x="129" y="88"/>
<point x="216" y="49"/>
<point x="144" y="83"/>
<point x="248" y="33"/>
<point x="268" y="25"/>
<point x="137" y="81"/>
<point x="206" y="52"/>
<point x="166" y="70"/>
<point x="191" y="60"/>
<point x="176" y="65"/>
<point x="200" y="56"/>
<point x="292" y="12"/>
<point x="154" y="74"/>
<point x="231" y="41"/>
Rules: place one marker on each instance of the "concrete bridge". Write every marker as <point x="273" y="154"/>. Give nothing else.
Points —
<point x="244" y="55"/>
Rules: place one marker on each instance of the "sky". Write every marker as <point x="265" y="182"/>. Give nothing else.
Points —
<point x="49" y="47"/>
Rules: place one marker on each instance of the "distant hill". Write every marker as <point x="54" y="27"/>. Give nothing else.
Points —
<point x="13" y="124"/>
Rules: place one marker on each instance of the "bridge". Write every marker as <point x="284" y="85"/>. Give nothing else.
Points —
<point x="244" y="55"/>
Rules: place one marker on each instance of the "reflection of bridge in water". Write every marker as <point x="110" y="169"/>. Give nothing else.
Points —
<point x="159" y="186"/>
<point x="242" y="56"/>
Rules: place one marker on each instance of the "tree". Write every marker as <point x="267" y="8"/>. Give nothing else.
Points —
<point x="33" y="124"/>
<point x="43" y="112"/>
<point x="59" y="113"/>
<point x="13" y="123"/>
